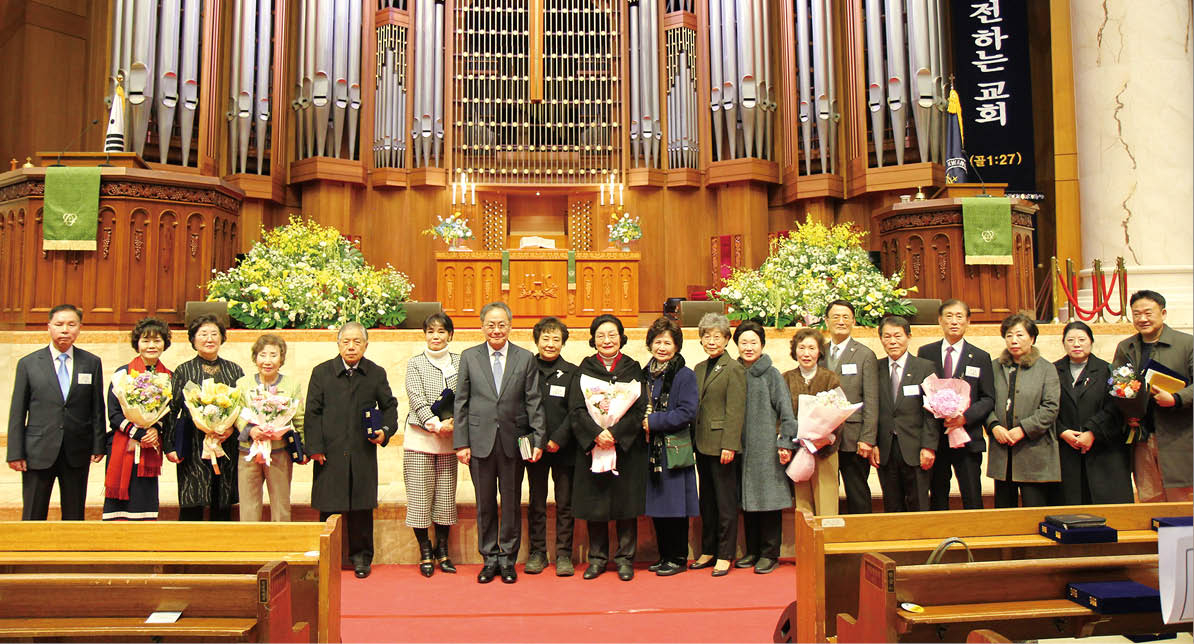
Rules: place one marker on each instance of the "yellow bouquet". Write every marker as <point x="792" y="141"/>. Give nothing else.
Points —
<point x="214" y="408"/>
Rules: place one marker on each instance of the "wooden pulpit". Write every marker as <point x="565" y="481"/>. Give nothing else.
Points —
<point x="924" y="239"/>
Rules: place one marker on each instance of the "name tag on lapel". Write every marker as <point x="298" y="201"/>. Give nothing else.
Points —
<point x="556" y="390"/>
<point x="84" y="379"/>
<point x="972" y="371"/>
<point x="850" y="369"/>
<point x="911" y="390"/>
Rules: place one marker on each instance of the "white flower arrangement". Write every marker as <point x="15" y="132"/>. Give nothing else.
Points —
<point x="451" y="229"/>
<point x="624" y="229"/>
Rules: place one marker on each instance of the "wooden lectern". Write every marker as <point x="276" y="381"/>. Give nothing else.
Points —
<point x="924" y="239"/>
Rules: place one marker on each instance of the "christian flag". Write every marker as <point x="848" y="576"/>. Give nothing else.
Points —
<point x="956" y="170"/>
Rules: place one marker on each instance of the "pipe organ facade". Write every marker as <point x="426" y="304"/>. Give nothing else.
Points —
<point x="733" y="119"/>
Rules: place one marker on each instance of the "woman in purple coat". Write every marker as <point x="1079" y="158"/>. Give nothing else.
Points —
<point x="671" y="491"/>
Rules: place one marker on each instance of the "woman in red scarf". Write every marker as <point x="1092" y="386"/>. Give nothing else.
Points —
<point x="135" y="453"/>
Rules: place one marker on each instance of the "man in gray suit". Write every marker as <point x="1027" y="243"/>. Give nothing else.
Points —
<point x="854" y="364"/>
<point x="56" y="423"/>
<point x="497" y="401"/>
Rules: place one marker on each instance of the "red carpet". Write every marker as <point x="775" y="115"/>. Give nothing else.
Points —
<point x="397" y="604"/>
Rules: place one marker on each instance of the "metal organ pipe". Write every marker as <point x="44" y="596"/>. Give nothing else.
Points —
<point x="729" y="75"/>
<point x="875" y="80"/>
<point x="354" y="74"/>
<point x="805" y="110"/>
<point x="919" y="72"/>
<point x="715" y="78"/>
<point x="897" y="71"/>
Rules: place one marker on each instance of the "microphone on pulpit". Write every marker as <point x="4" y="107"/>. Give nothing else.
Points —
<point x="977" y="174"/>
<point x="72" y="144"/>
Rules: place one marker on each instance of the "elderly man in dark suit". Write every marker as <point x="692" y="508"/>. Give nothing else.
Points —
<point x="56" y="422"/>
<point x="498" y="400"/>
<point x="345" y="454"/>
<point x="854" y="364"/>
<point x="954" y="357"/>
<point x="908" y="434"/>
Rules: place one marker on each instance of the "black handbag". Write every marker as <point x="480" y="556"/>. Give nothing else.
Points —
<point x="678" y="449"/>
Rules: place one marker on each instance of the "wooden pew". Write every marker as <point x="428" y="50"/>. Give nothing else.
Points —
<point x="1024" y="599"/>
<point x="114" y="606"/>
<point x="311" y="550"/>
<point x="829" y="549"/>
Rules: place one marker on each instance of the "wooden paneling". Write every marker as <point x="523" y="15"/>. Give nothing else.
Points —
<point x="147" y="260"/>
<point x="924" y="240"/>
<point x="606" y="282"/>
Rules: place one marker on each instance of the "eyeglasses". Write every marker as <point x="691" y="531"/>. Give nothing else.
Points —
<point x="490" y="326"/>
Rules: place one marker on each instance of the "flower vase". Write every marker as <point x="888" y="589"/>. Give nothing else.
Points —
<point x="457" y="245"/>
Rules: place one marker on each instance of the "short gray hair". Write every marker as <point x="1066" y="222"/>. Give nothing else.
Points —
<point x="497" y="305"/>
<point x="713" y="322"/>
<point x="353" y="326"/>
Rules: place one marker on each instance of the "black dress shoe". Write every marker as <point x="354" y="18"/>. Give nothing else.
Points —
<point x="721" y="573"/>
<point x="746" y="562"/>
<point x="656" y="566"/>
<point x="670" y="568"/>
<point x="625" y="572"/>
<point x="509" y="576"/>
<point x="766" y="565"/>
<point x="701" y="566"/>
<point x="362" y="570"/>
<point x="488" y="572"/>
<point x="593" y="571"/>
<point x="426" y="559"/>
<point x="441" y="557"/>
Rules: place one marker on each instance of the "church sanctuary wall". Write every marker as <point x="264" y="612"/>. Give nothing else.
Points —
<point x="57" y="52"/>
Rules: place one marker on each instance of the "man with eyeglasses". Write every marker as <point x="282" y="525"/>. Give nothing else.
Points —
<point x="497" y="402"/>
<point x="856" y="367"/>
<point x="1162" y="456"/>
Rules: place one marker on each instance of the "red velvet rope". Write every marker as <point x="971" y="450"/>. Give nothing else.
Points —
<point x="1083" y="314"/>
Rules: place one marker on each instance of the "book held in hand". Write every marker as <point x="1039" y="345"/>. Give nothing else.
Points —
<point x="1162" y="377"/>
<point x="443" y="406"/>
<point x="294" y="446"/>
<point x="525" y="448"/>
<point x="1067" y="521"/>
<point x="371" y="421"/>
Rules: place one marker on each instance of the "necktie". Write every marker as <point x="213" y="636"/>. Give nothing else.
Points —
<point x="63" y="375"/>
<point x="949" y="362"/>
<point x="833" y="357"/>
<point x="895" y="381"/>
<point x="497" y="371"/>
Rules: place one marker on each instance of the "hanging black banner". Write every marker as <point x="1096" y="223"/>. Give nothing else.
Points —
<point x="991" y="74"/>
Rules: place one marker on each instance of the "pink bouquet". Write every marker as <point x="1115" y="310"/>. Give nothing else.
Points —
<point x="817" y="418"/>
<point x="607" y="403"/>
<point x="948" y="398"/>
<point x="271" y="413"/>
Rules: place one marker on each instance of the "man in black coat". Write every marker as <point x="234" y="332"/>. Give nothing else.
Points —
<point x="954" y="357"/>
<point x="497" y="402"/>
<point x="559" y="452"/>
<point x="345" y="454"/>
<point x="908" y="434"/>
<point x="56" y="422"/>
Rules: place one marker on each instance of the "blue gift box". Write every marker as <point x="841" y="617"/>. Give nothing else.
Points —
<point x="1111" y="597"/>
<point x="1172" y="522"/>
<point x="371" y="421"/>
<point x="1097" y="534"/>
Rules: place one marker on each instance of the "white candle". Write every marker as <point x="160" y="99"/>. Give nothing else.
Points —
<point x="474" y="191"/>
<point x="603" y="194"/>
<point x="621" y="187"/>
<point x="453" y="193"/>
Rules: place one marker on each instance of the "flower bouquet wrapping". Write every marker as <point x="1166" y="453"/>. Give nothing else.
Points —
<point x="1125" y="389"/>
<point x="607" y="403"/>
<point x="817" y="418"/>
<point x="214" y="408"/>
<point x="144" y="399"/>
<point x="271" y="413"/>
<point x="948" y="398"/>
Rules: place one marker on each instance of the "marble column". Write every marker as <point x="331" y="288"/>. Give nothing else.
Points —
<point x="1134" y="104"/>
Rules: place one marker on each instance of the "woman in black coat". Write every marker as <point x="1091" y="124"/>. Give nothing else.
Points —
<point x="622" y="497"/>
<point x="1096" y="464"/>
